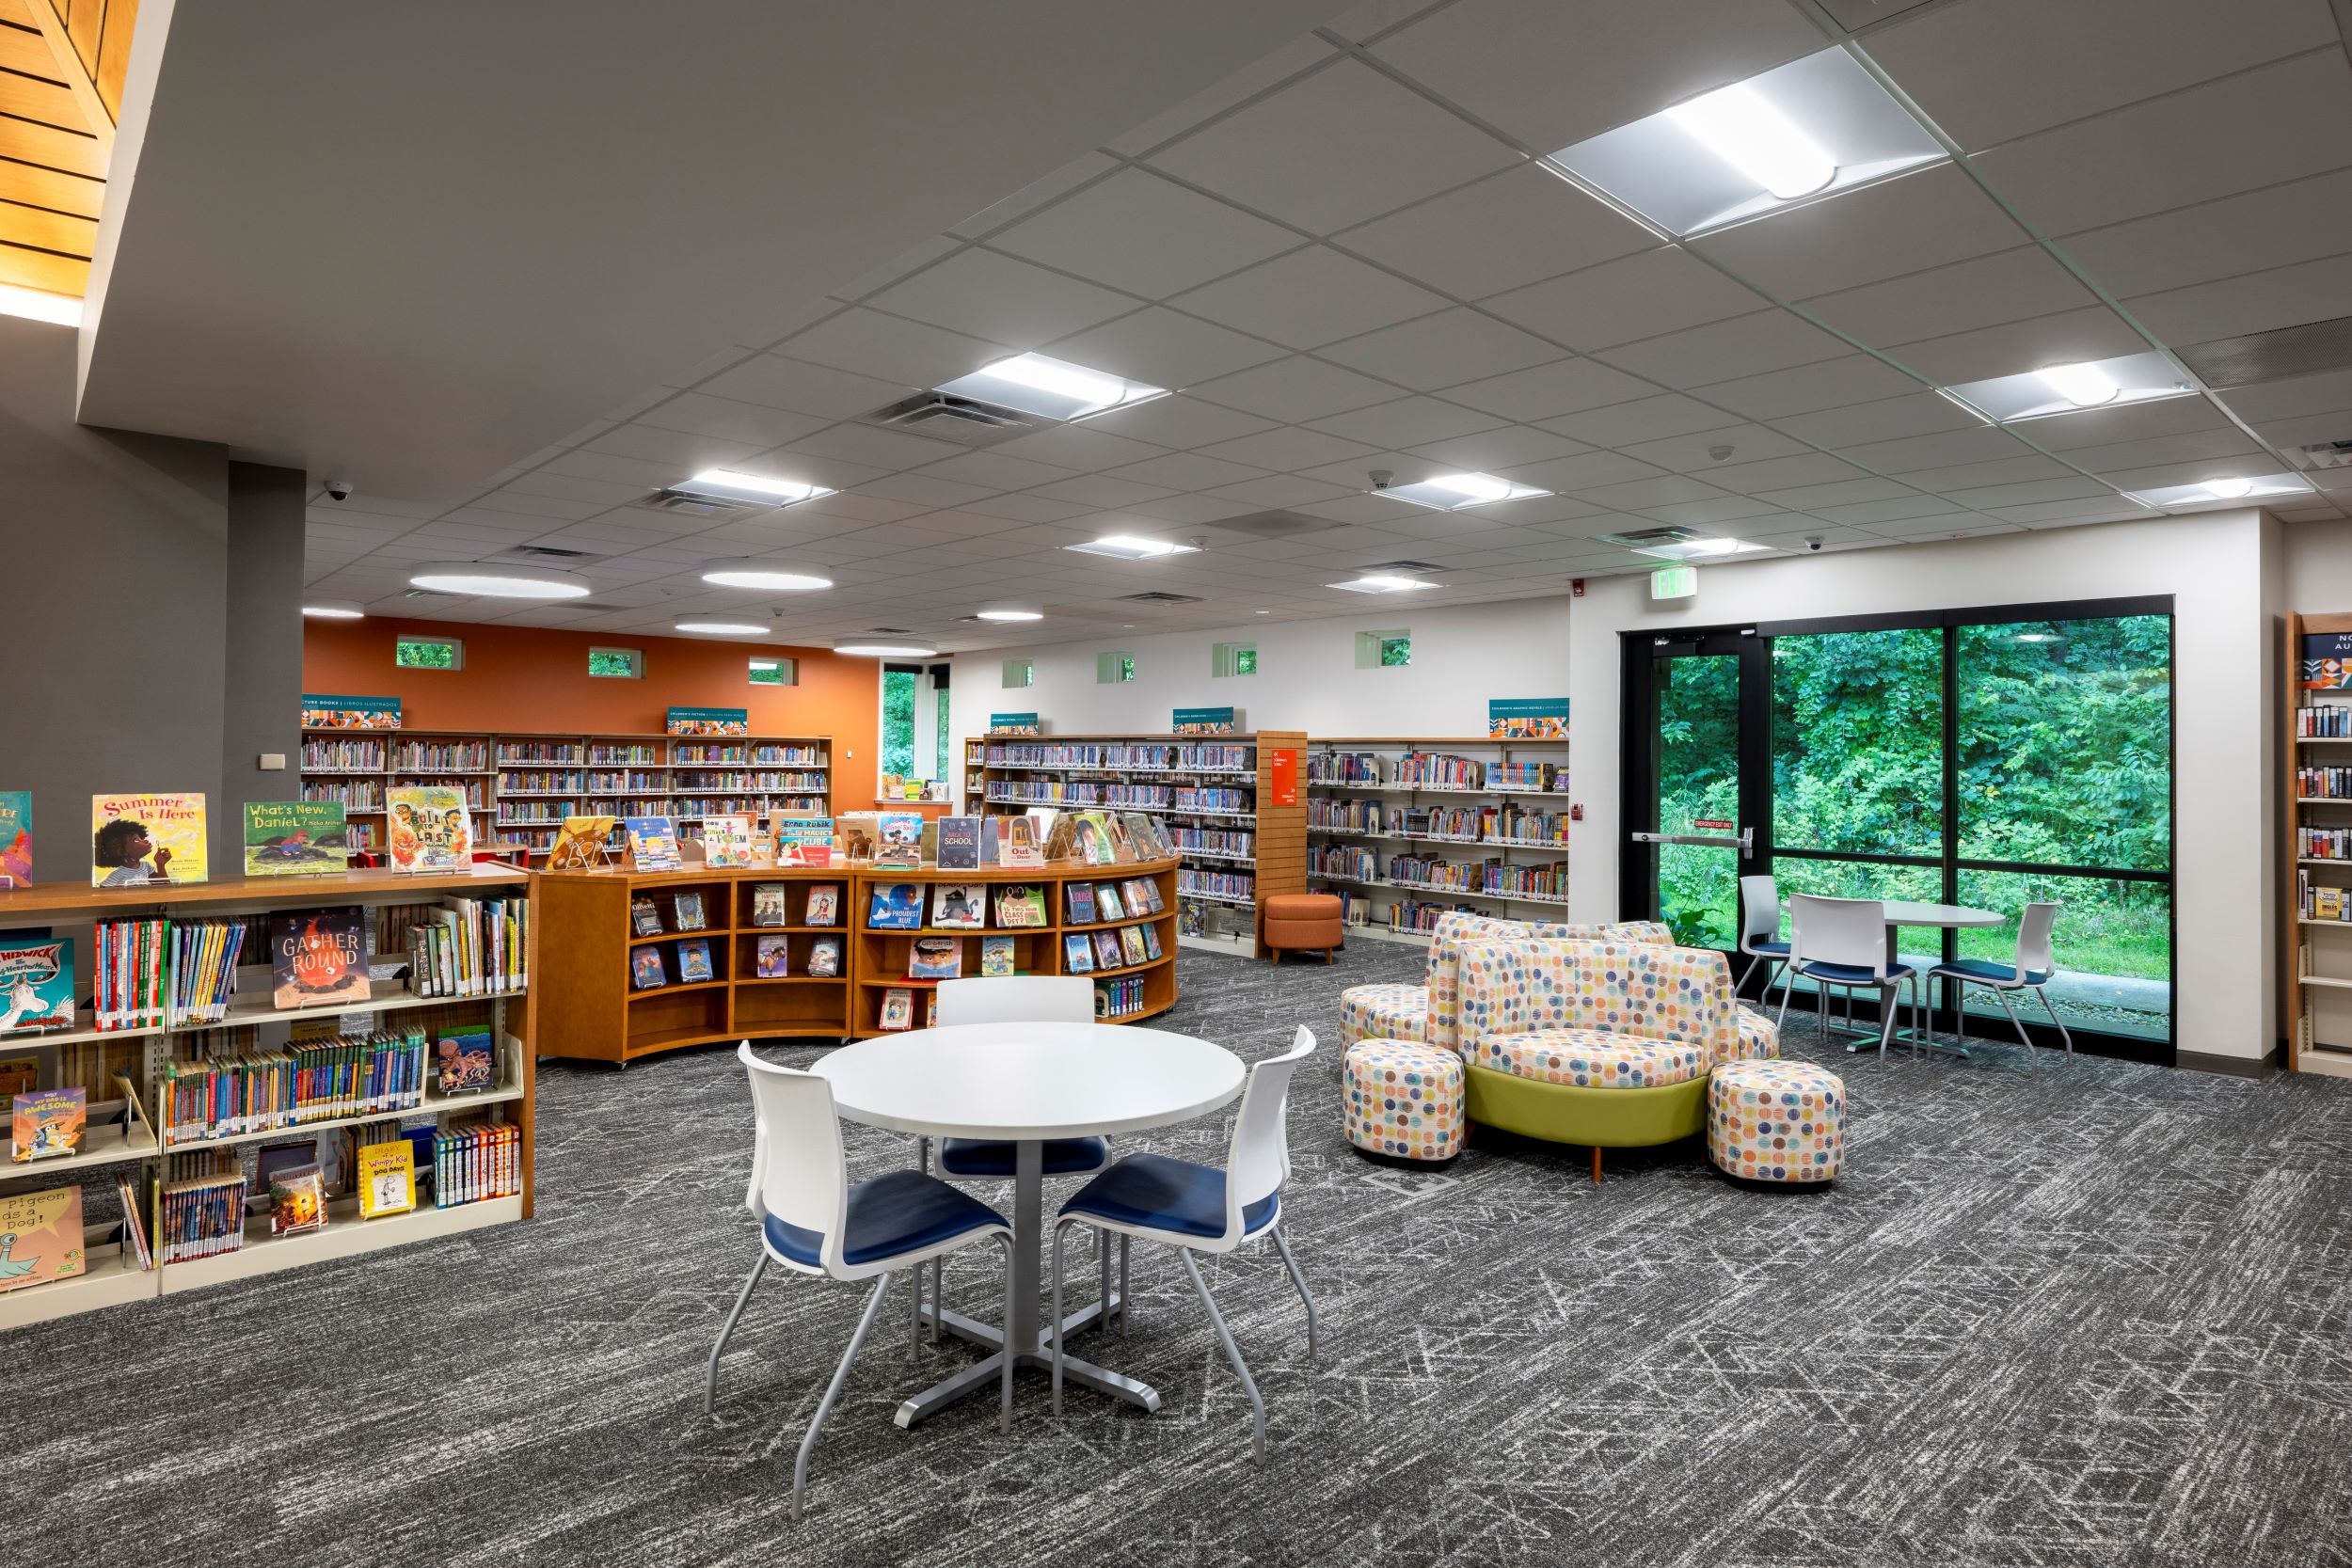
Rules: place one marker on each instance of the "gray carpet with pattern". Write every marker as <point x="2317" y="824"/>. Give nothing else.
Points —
<point x="2091" y="1316"/>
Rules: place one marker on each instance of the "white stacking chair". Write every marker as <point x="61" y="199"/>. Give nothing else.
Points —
<point x="1842" y="943"/>
<point x="1759" y="929"/>
<point x="2032" y="971"/>
<point x="813" y="1221"/>
<point x="1201" y="1209"/>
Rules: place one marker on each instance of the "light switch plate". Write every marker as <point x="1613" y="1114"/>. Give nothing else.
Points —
<point x="273" y="762"/>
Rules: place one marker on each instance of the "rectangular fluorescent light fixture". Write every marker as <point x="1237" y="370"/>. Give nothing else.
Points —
<point x="1050" y="388"/>
<point x="1380" y="583"/>
<point x="758" y="489"/>
<point x="1809" y="129"/>
<point x="1698" y="549"/>
<point x="1453" y="492"/>
<point x="1127" y="547"/>
<point x="2222" y="490"/>
<point x="2073" y="388"/>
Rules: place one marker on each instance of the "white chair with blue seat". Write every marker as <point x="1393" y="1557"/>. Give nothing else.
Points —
<point x="2031" y="971"/>
<point x="1201" y="1209"/>
<point x="1841" y="943"/>
<point x="813" y="1221"/>
<point x="1760" y="930"/>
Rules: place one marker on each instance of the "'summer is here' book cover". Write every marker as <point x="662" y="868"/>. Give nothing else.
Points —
<point x="16" y="838"/>
<point x="36" y="984"/>
<point x="430" y="828"/>
<point x="139" y="839"/>
<point x="41" y="1237"/>
<point x="293" y="838"/>
<point x="317" y="956"/>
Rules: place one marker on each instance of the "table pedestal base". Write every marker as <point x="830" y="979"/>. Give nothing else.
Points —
<point x="981" y="1376"/>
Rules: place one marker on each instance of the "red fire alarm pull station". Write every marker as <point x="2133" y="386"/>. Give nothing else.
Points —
<point x="1576" y="588"/>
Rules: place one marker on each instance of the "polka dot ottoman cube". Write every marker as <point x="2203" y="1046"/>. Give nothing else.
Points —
<point x="1382" y="1013"/>
<point x="1402" y="1101"/>
<point x="1770" y="1120"/>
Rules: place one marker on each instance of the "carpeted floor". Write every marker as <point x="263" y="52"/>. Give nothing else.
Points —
<point x="2096" y="1315"/>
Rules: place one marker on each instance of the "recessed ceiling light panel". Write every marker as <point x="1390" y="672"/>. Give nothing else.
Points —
<point x="2071" y="388"/>
<point x="1010" y="613"/>
<point x="2223" y="490"/>
<point x="1054" y="388"/>
<point x="332" y="610"/>
<point x="498" y="579"/>
<point x="1453" y="492"/>
<point x="1808" y="129"/>
<point x="1128" y="546"/>
<point x="1381" y="583"/>
<point x="757" y="489"/>
<point x="743" y="571"/>
<point x="1699" y="549"/>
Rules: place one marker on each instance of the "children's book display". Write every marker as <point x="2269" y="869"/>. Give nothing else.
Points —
<point x="468" y="947"/>
<point x="583" y="842"/>
<point x="935" y="959"/>
<point x="645" y="916"/>
<point x="773" y="959"/>
<point x="996" y="956"/>
<point x="387" y="1178"/>
<point x="899" y="841"/>
<point x="429" y="828"/>
<point x="825" y="958"/>
<point x="473" y="1163"/>
<point x="824" y="905"/>
<point x="1077" y="953"/>
<point x="898" y="906"/>
<point x="959" y="843"/>
<point x="16" y="838"/>
<point x="686" y="911"/>
<point x="317" y="957"/>
<point x="1020" y="905"/>
<point x="47" y="1124"/>
<point x="768" y="904"/>
<point x="897" y="1008"/>
<point x="726" y="841"/>
<point x="1106" y="949"/>
<point x="802" y="840"/>
<point x="298" y="1201"/>
<point x="293" y="838"/>
<point x="653" y="844"/>
<point x="1019" y="848"/>
<point x="693" y="961"/>
<point x="138" y="840"/>
<point x="41" y="1237"/>
<point x="963" y="905"/>
<point x="644" y="969"/>
<point x="36" y="984"/>
<point x="464" y="1063"/>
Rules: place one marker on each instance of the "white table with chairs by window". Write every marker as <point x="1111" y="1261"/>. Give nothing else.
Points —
<point x="1017" y="1081"/>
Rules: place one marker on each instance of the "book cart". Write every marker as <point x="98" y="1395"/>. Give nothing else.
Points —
<point x="137" y="1142"/>
<point x="521" y="785"/>
<point x="2317" y="993"/>
<point x="1240" y="832"/>
<point x="1404" y="828"/>
<point x="882" y="953"/>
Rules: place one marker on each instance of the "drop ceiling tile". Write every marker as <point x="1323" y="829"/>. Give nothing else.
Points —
<point x="1929" y="218"/>
<point x="1287" y="450"/>
<point x="891" y="348"/>
<point x="1309" y="298"/>
<point x="1563" y="387"/>
<point x="1909" y="507"/>
<point x="2257" y="302"/>
<point x="1406" y="423"/>
<point x="1101" y="490"/>
<point x="2072" y="488"/>
<point x="726" y="419"/>
<point x="1957" y="477"/>
<point x="1716" y="511"/>
<point x="2094" y="509"/>
<point x="1844" y="492"/>
<point x="2133" y="422"/>
<point x="1490" y="451"/>
<point x="1191" y="509"/>
<point x="1363" y="510"/>
<point x="2298" y="221"/>
<point x="1178" y="422"/>
<point x="2193" y="446"/>
<point x="1161" y="348"/>
<point x="1443" y="350"/>
<point x="634" y="475"/>
<point x="1942" y="449"/>
<point x="1997" y="69"/>
<point x="2166" y="475"/>
<point x="885" y="450"/>
<point x="1001" y="300"/>
<point x="1145" y="235"/>
<point x="1693" y="453"/>
<point x="2282" y="122"/>
<point x="1808" y="388"/>
<point x="1260" y="75"/>
<point x="772" y="381"/>
<point x="1745" y="345"/>
<point x="1279" y="490"/>
<point x="2321" y="393"/>
<point x="1510" y="229"/>
<point x="1642" y="418"/>
<point x="1079" y="448"/>
<point x="2015" y="347"/>
<point x="1783" y="473"/>
<point x="1552" y="74"/>
<point x="1028" y="197"/>
<point x="2308" y="429"/>
<point x="1584" y="472"/>
<point x="925" y="490"/>
<point x="1959" y="525"/>
<point x="1642" y="495"/>
<point x="1985" y="292"/>
<point x="1344" y="145"/>
<point x="1297" y="388"/>
<point x="570" y="509"/>
<point x="1618" y="302"/>
<point x="817" y="516"/>
<point x="1187" y="471"/>
<point x="683" y="454"/>
<point x="997" y="471"/>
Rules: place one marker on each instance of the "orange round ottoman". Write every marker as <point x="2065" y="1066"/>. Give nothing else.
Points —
<point x="1288" y="921"/>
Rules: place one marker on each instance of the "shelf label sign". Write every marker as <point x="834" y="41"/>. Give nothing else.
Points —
<point x="1206" y="720"/>
<point x="1527" y="717"/>
<point x="325" y="711"/>
<point x="710" y="720"/>
<point x="1282" y="776"/>
<point x="1014" y="723"/>
<point x="2327" y="662"/>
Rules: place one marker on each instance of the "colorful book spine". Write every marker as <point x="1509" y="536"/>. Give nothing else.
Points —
<point x="476" y="1163"/>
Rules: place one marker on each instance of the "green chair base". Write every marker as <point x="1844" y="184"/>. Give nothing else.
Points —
<point x="1605" y="1118"/>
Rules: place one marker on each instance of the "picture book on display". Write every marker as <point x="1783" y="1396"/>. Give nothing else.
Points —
<point x="935" y="959"/>
<point x="1149" y="839"/>
<point x="582" y="842"/>
<point x="958" y="843"/>
<point x="1106" y="949"/>
<point x="773" y="958"/>
<point x="1151" y="941"/>
<point x="1131" y="944"/>
<point x="726" y="841"/>
<point x="653" y="844"/>
<point x="645" y="916"/>
<point x="1077" y="953"/>
<point x="825" y="958"/>
<point x="1019" y="905"/>
<point x="1080" y="897"/>
<point x="1095" y="845"/>
<point x="896" y="907"/>
<point x="428" y="828"/>
<point x="16" y="838"/>
<point x="898" y="840"/>
<point x="686" y="911"/>
<point x="387" y="1178"/>
<point x="464" y="1063"/>
<point x="47" y="1124"/>
<point x="317" y="956"/>
<point x="897" y="1008"/>
<point x="996" y="956"/>
<point x="802" y="840"/>
<point x="824" y="905"/>
<point x="293" y="838"/>
<point x="36" y="984"/>
<point x="298" y="1201"/>
<point x="1107" y="900"/>
<point x="139" y="839"/>
<point x="768" y="904"/>
<point x="693" y="961"/>
<point x="959" y="904"/>
<point x="644" y="969"/>
<point x="41" y="1237"/>
<point x="854" y="835"/>
<point x="1019" y="846"/>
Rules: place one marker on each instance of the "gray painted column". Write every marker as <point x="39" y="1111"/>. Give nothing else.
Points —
<point x="262" y="674"/>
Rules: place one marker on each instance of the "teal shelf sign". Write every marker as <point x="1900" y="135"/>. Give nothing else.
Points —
<point x="1206" y="720"/>
<point x="1014" y="723"/>
<point x="1527" y="717"/>
<point x="323" y="710"/>
<point x="710" y="720"/>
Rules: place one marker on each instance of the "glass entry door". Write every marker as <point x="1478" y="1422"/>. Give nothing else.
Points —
<point x="1692" y="828"/>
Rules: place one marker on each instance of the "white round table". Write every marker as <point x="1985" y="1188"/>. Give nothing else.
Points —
<point x="1025" y="1084"/>
<point x="1900" y="912"/>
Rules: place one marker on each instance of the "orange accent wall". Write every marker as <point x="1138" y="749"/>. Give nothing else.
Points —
<point x="532" y="678"/>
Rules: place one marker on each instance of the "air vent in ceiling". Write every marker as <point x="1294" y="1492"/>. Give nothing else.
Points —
<point x="545" y="553"/>
<point x="2325" y="455"/>
<point x="589" y="604"/>
<point x="430" y="594"/>
<point x="698" y="506"/>
<point x="1155" y="596"/>
<point x="1666" y="533"/>
<point x="1404" y="566"/>
<point x="967" y="421"/>
<point x="2274" y="355"/>
<point x="890" y="631"/>
<point x="1276" y="524"/>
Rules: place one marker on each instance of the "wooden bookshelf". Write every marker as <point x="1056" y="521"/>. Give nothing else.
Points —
<point x="1231" y="858"/>
<point x="975" y="782"/>
<point x="119" y="1143"/>
<point x="524" y="783"/>
<point x="881" y="953"/>
<point x="2315" y="989"/>
<point x="1500" y="829"/>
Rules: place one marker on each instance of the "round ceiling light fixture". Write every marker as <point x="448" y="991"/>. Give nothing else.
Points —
<point x="499" y="580"/>
<point x="332" y="610"/>
<point x="744" y="571"/>
<point x="711" y="627"/>
<point x="875" y="645"/>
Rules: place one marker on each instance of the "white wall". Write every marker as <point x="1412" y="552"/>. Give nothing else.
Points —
<point x="2317" y="567"/>
<point x="1307" y="677"/>
<point x="2214" y="566"/>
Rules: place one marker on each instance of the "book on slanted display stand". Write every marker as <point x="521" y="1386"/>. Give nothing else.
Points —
<point x="961" y="905"/>
<point x="824" y="904"/>
<point x="727" y="840"/>
<point x="317" y="956"/>
<point x="773" y="959"/>
<point x="959" y="843"/>
<point x="897" y="1008"/>
<point x="36" y="984"/>
<point x="997" y="954"/>
<point x="582" y="842"/>
<point x="137" y="840"/>
<point x="293" y="838"/>
<point x="429" y="828"/>
<point x="1018" y="847"/>
<point x="16" y="838"/>
<point x="47" y="1124"/>
<point x="653" y="844"/>
<point x="825" y="958"/>
<point x="41" y="1237"/>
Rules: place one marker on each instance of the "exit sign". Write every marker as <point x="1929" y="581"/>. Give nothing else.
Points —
<point x="1674" y="582"/>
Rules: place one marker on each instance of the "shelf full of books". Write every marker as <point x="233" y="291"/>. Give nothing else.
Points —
<point x="1230" y="805"/>
<point x="209" y="1081"/>
<point x="2316" y="988"/>
<point x="519" y="788"/>
<point x="1406" y="828"/>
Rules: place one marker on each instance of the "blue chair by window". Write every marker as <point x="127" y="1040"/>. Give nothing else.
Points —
<point x="1201" y="1208"/>
<point x="1841" y="943"/>
<point x="813" y="1221"/>
<point x="2031" y="971"/>
<point x="1759" y="929"/>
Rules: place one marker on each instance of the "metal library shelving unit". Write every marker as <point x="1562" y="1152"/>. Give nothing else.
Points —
<point x="521" y="785"/>
<point x="147" y="1143"/>
<point x="1238" y="827"/>
<point x="1386" y="817"/>
<point x="2316" y="1000"/>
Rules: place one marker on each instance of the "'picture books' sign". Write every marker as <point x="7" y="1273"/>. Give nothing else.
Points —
<point x="1527" y="717"/>
<point x="322" y="711"/>
<point x="1207" y="720"/>
<point x="710" y="720"/>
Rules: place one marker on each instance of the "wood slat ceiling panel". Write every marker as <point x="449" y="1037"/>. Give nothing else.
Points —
<point x="47" y="231"/>
<point x="47" y="187"/>
<point x="19" y="13"/>
<point x="51" y="148"/>
<point x="31" y="98"/>
<point x="22" y="49"/>
<point x="114" y="53"/>
<point x="84" y="21"/>
<point x="40" y="269"/>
